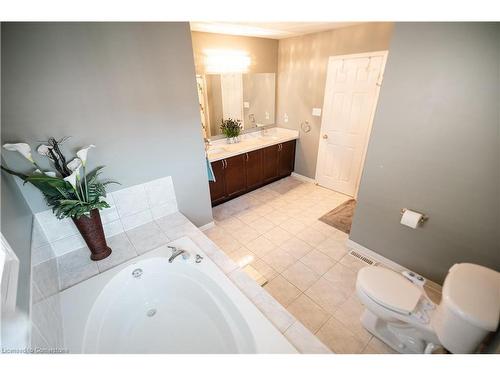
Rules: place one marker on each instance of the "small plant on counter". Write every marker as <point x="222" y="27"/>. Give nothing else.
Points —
<point x="70" y="191"/>
<point x="231" y="129"/>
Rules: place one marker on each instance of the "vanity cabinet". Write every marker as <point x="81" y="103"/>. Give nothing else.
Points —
<point x="254" y="169"/>
<point x="242" y="173"/>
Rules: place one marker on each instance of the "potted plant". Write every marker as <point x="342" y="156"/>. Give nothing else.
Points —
<point x="70" y="190"/>
<point x="231" y="129"/>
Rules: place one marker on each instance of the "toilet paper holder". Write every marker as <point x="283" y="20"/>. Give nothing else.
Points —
<point x="423" y="219"/>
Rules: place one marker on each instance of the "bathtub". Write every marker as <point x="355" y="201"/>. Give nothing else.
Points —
<point x="148" y="305"/>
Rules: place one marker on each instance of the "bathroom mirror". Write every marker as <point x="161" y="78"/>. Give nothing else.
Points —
<point x="249" y="98"/>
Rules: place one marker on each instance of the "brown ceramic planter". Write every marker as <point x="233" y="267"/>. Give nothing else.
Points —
<point x="93" y="233"/>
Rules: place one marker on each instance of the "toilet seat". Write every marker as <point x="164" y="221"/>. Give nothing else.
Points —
<point x="389" y="289"/>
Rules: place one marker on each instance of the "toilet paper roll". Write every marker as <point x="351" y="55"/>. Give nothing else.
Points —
<point x="411" y="218"/>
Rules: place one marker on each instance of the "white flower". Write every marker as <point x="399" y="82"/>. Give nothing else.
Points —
<point x="47" y="173"/>
<point x="74" y="165"/>
<point x="44" y="150"/>
<point x="72" y="179"/>
<point x="23" y="148"/>
<point x="82" y="154"/>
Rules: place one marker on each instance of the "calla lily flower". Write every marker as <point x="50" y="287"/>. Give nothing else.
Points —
<point x="23" y="148"/>
<point x="82" y="154"/>
<point x="72" y="179"/>
<point x="47" y="173"/>
<point x="74" y="165"/>
<point x="44" y="150"/>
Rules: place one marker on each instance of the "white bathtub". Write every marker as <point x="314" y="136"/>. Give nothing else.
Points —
<point x="179" y="307"/>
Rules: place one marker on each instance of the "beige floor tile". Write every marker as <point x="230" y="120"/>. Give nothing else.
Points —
<point x="228" y="243"/>
<point x="215" y="232"/>
<point x="296" y="247"/>
<point x="265" y="269"/>
<point x="349" y="314"/>
<point x="277" y="217"/>
<point x="324" y="228"/>
<point x="376" y="346"/>
<point x="300" y="275"/>
<point x="327" y="295"/>
<point x="246" y="234"/>
<point x="312" y="236"/>
<point x="308" y="313"/>
<point x="333" y="247"/>
<point x="352" y="263"/>
<point x="279" y="259"/>
<point x="248" y="216"/>
<point x="262" y="225"/>
<point x="342" y="277"/>
<point x="261" y="246"/>
<point x="242" y="256"/>
<point x="282" y="290"/>
<point x="293" y="226"/>
<point x="317" y="261"/>
<point x="277" y="235"/>
<point x="339" y="339"/>
<point x="255" y="275"/>
<point x="231" y="225"/>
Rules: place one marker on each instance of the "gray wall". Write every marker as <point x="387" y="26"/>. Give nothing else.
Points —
<point x="302" y="68"/>
<point x="16" y="222"/>
<point x="435" y="148"/>
<point x="128" y="88"/>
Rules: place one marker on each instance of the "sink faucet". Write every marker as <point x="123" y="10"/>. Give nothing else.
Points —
<point x="176" y="252"/>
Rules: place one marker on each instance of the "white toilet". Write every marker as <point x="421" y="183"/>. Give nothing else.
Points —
<point x="399" y="312"/>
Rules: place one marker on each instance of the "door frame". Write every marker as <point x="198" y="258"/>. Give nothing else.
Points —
<point x="383" y="54"/>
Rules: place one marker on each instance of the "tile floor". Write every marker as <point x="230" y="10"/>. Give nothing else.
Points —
<point x="274" y="234"/>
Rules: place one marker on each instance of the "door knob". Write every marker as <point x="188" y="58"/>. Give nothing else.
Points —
<point x="325" y="136"/>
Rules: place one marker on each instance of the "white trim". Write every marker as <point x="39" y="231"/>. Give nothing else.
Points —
<point x="351" y="245"/>
<point x="303" y="178"/>
<point x="207" y="226"/>
<point x="383" y="54"/>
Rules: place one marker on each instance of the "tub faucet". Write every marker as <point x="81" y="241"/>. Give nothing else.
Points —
<point x="176" y="252"/>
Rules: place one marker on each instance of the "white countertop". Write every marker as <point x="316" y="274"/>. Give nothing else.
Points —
<point x="220" y="149"/>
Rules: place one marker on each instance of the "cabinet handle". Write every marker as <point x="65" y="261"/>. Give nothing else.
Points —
<point x="225" y="163"/>
<point x="280" y="146"/>
<point x="247" y="156"/>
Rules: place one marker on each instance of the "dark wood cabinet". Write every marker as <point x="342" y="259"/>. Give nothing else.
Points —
<point x="242" y="173"/>
<point x="286" y="158"/>
<point x="235" y="176"/>
<point x="218" y="187"/>
<point x="271" y="163"/>
<point x="254" y="169"/>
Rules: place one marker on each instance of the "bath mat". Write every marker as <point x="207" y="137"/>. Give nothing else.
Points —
<point x="341" y="217"/>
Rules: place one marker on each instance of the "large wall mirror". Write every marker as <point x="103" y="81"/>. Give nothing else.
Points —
<point x="249" y="98"/>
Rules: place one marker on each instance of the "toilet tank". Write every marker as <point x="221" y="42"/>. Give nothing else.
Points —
<point x="469" y="309"/>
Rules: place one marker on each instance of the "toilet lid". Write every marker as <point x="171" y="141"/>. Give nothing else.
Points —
<point x="389" y="289"/>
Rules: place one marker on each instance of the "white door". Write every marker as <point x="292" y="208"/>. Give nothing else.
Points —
<point x="351" y="92"/>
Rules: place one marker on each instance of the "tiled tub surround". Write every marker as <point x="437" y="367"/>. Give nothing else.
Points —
<point x="275" y="231"/>
<point x="56" y="268"/>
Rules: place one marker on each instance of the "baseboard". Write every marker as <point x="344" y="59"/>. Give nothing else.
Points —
<point x="207" y="226"/>
<point x="351" y="245"/>
<point x="303" y="178"/>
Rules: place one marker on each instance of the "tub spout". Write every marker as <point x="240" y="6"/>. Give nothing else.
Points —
<point x="176" y="252"/>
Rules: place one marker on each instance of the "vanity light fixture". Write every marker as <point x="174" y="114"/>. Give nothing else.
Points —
<point x="226" y="61"/>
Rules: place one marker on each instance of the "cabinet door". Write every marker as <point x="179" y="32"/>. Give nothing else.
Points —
<point x="254" y="169"/>
<point x="218" y="188"/>
<point x="287" y="158"/>
<point x="270" y="162"/>
<point x="234" y="175"/>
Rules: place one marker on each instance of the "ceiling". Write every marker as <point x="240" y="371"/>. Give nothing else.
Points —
<point x="273" y="30"/>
